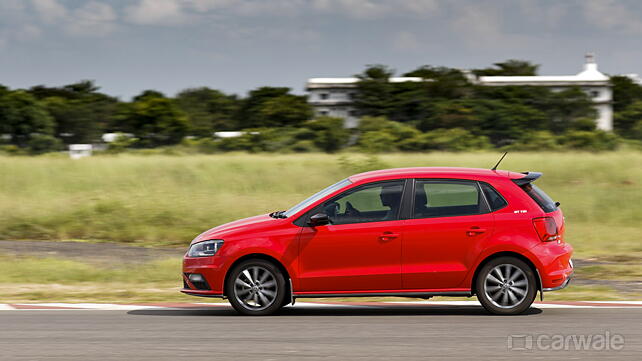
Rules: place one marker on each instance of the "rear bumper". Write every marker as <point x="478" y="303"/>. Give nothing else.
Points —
<point x="554" y="265"/>
<point x="563" y="285"/>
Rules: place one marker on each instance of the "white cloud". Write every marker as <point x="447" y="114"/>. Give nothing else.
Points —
<point x="609" y="14"/>
<point x="50" y="10"/>
<point x="406" y="41"/>
<point x="482" y="26"/>
<point x="157" y="12"/>
<point x="369" y="9"/>
<point x="92" y="19"/>
<point x="207" y="5"/>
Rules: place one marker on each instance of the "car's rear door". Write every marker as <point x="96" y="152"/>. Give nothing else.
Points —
<point x="360" y="250"/>
<point x="448" y="224"/>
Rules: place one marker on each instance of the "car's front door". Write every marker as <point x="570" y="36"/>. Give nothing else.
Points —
<point x="448" y="224"/>
<point x="360" y="250"/>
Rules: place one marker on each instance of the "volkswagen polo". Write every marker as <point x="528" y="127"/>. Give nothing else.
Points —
<point x="412" y="232"/>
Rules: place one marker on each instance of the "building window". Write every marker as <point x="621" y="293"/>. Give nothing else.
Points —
<point x="324" y="96"/>
<point x="352" y="95"/>
<point x="323" y="112"/>
<point x="595" y="93"/>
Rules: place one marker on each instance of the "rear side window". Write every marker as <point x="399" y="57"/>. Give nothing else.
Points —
<point x="495" y="200"/>
<point x="540" y="197"/>
<point x="446" y="199"/>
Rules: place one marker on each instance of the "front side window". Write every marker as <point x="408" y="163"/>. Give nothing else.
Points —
<point x="435" y="198"/>
<point x="375" y="202"/>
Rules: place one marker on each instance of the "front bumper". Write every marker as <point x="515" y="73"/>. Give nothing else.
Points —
<point x="212" y="270"/>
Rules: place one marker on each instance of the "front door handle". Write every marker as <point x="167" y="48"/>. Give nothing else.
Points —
<point x="388" y="236"/>
<point x="473" y="231"/>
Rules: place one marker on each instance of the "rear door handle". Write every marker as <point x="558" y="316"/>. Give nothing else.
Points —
<point x="388" y="236"/>
<point x="473" y="231"/>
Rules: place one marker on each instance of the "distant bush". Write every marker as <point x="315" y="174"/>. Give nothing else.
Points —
<point x="42" y="143"/>
<point x="328" y="133"/>
<point x="456" y="139"/>
<point x="121" y="143"/>
<point x="594" y="141"/>
<point x="542" y="140"/>
<point x="378" y="134"/>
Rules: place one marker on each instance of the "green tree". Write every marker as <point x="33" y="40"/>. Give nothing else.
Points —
<point x="374" y="94"/>
<point x="208" y="110"/>
<point x="284" y="111"/>
<point x="511" y="67"/>
<point x="80" y="111"/>
<point x="23" y="117"/>
<point x="626" y="120"/>
<point x="154" y="119"/>
<point x="254" y="112"/>
<point x="442" y="82"/>
<point x="625" y="92"/>
<point x="568" y="107"/>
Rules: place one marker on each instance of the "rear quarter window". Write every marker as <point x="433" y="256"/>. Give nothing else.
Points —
<point x="495" y="200"/>
<point x="540" y="197"/>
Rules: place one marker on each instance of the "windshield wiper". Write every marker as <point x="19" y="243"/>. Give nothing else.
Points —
<point x="278" y="214"/>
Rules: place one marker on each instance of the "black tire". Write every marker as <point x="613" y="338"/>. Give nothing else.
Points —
<point x="506" y="286"/>
<point x="251" y="300"/>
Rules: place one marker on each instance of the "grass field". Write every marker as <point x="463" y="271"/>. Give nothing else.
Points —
<point x="167" y="200"/>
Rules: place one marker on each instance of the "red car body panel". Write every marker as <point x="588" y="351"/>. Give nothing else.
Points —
<point x="428" y="255"/>
<point x="350" y="257"/>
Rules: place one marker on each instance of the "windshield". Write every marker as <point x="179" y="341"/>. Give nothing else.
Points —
<point x="315" y="197"/>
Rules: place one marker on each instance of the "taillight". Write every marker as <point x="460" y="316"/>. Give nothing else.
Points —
<point x="546" y="229"/>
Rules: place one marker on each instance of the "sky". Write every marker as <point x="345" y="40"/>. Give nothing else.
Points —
<point x="127" y="46"/>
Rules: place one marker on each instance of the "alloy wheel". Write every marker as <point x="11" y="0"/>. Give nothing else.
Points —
<point x="255" y="288"/>
<point x="506" y="286"/>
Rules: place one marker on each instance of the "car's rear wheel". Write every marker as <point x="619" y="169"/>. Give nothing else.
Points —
<point x="506" y="286"/>
<point x="256" y="287"/>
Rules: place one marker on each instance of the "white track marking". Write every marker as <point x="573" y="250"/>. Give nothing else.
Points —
<point x="308" y="305"/>
<point x="90" y="306"/>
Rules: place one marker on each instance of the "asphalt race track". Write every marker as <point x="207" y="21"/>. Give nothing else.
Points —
<point x="314" y="332"/>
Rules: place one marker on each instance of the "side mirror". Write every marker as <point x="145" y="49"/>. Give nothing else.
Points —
<point x="319" y="219"/>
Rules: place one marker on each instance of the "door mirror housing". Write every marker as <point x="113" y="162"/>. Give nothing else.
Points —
<point x="319" y="219"/>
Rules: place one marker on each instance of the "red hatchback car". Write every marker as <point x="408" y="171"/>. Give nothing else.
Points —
<point x="412" y="232"/>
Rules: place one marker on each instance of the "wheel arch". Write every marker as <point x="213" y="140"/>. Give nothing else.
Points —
<point x="493" y="256"/>
<point x="261" y="256"/>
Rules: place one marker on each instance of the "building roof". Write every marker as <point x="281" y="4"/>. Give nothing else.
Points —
<point x="350" y="82"/>
<point x="589" y="76"/>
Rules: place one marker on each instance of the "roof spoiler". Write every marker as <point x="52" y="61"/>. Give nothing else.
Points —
<point x="530" y="177"/>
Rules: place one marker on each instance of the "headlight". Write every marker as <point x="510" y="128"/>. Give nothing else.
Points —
<point x="205" y="248"/>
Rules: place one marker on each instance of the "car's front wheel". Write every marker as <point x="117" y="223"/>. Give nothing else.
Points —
<point x="506" y="286"/>
<point x="256" y="287"/>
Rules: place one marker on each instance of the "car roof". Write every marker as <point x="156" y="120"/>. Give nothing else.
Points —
<point x="434" y="172"/>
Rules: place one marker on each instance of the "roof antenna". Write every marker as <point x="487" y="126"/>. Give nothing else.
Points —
<point x="500" y="160"/>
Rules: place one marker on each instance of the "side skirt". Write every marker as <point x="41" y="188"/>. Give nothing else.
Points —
<point x="381" y="294"/>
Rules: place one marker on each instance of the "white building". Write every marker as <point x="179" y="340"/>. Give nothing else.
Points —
<point x="333" y="96"/>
